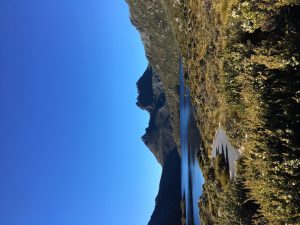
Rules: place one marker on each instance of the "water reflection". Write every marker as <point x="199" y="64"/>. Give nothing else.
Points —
<point x="191" y="176"/>
<point x="222" y="145"/>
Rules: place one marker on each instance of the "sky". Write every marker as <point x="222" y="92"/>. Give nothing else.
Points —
<point x="70" y="147"/>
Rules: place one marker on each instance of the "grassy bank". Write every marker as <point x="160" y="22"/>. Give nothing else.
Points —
<point x="242" y="59"/>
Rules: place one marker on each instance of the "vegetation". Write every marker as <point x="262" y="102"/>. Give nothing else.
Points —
<point x="222" y="170"/>
<point x="242" y="59"/>
<point x="243" y="64"/>
<point x="225" y="203"/>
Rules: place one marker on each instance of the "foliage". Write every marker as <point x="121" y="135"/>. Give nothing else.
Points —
<point x="243" y="60"/>
<point x="221" y="170"/>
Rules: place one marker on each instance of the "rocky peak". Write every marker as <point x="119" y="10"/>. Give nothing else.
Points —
<point x="151" y="18"/>
<point x="159" y="134"/>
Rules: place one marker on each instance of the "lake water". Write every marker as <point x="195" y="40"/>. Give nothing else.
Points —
<point x="222" y="145"/>
<point x="191" y="176"/>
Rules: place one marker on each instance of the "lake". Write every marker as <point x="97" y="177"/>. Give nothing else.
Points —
<point x="190" y="142"/>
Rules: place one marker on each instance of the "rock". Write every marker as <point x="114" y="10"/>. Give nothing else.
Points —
<point x="159" y="134"/>
<point x="158" y="94"/>
<point x="152" y="20"/>
<point x="167" y="209"/>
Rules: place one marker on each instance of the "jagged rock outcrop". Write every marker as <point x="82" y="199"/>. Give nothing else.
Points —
<point x="158" y="94"/>
<point x="159" y="134"/>
<point x="152" y="20"/>
<point x="159" y="139"/>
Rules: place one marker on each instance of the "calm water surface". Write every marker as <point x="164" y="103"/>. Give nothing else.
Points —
<point x="191" y="176"/>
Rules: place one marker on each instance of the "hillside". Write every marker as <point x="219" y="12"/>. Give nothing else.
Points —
<point x="242" y="66"/>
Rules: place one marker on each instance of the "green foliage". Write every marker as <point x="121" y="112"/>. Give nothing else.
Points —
<point x="227" y="205"/>
<point x="243" y="63"/>
<point x="263" y="73"/>
<point x="261" y="14"/>
<point x="221" y="170"/>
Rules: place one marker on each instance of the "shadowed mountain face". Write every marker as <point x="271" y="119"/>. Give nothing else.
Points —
<point x="159" y="134"/>
<point x="167" y="210"/>
<point x="159" y="139"/>
<point x="159" y="95"/>
<point x="243" y="65"/>
<point x="151" y="20"/>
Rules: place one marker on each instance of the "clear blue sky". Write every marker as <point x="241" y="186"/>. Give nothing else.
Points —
<point x="70" y="148"/>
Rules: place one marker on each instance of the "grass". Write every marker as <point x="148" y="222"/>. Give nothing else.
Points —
<point x="242" y="59"/>
<point x="242" y="66"/>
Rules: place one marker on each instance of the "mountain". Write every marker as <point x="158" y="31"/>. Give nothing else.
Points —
<point x="160" y="140"/>
<point x="161" y="49"/>
<point x="158" y="94"/>
<point x="159" y="134"/>
<point x="243" y="64"/>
